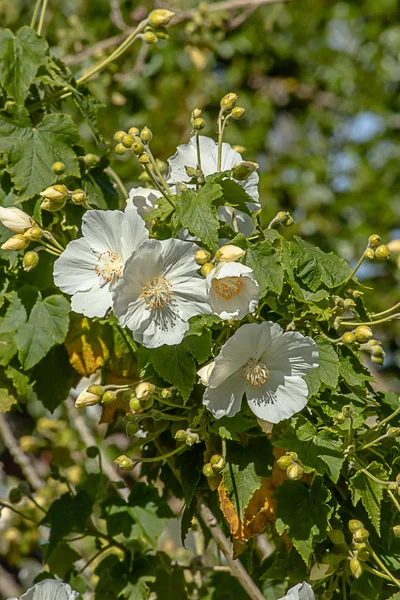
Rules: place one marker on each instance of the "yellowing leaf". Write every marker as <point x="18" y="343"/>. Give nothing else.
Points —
<point x="6" y="400"/>
<point x="86" y="345"/>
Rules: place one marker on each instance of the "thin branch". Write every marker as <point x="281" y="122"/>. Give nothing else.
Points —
<point x="116" y="15"/>
<point x="19" y="456"/>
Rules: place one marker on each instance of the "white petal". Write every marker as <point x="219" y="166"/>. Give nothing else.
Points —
<point x="144" y="199"/>
<point x="239" y="305"/>
<point x="164" y="327"/>
<point x="301" y="591"/>
<point x="186" y="156"/>
<point x="103" y="230"/>
<point x="292" y="353"/>
<point x="226" y="399"/>
<point x="74" y="270"/>
<point x="244" y="222"/>
<point x="49" y="589"/>
<point x="15" y="219"/>
<point x="94" y="302"/>
<point x="280" y="398"/>
<point x="178" y="257"/>
<point x="134" y="232"/>
<point x="205" y="372"/>
<point x="266" y="426"/>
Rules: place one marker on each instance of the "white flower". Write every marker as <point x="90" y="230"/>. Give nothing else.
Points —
<point x="160" y="291"/>
<point x="205" y="372"/>
<point x="267" y="365"/>
<point x="143" y="199"/>
<point x="90" y="267"/>
<point x="186" y="156"/>
<point x="49" y="589"/>
<point x="233" y="290"/>
<point x="301" y="591"/>
<point x="15" y="219"/>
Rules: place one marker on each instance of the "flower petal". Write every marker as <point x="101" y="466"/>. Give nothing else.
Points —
<point x="292" y="353"/>
<point x="301" y="591"/>
<point x="244" y="222"/>
<point x="102" y="230"/>
<point x="74" y="270"/>
<point x="134" y="232"/>
<point x="246" y="298"/>
<point x="280" y="398"/>
<point x="226" y="399"/>
<point x="143" y="199"/>
<point x="50" y="589"/>
<point x="94" y="302"/>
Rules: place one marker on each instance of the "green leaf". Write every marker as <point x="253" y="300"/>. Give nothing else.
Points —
<point x="20" y="381"/>
<point x="61" y="558"/>
<point x="161" y="212"/>
<point x="369" y="492"/>
<point x="328" y="370"/>
<point x="286" y="564"/>
<point x="47" y="325"/>
<point x="21" y="55"/>
<point x="52" y="391"/>
<point x="176" y="365"/>
<point x="320" y="450"/>
<point x="32" y="150"/>
<point x="199" y="345"/>
<point x="149" y="511"/>
<point x="232" y="428"/>
<point x="6" y="400"/>
<point x="195" y="211"/>
<point x="314" y="266"/>
<point x="352" y="370"/>
<point x="68" y="514"/>
<point x="170" y="583"/>
<point x="302" y="512"/>
<point x="190" y="465"/>
<point x="234" y="195"/>
<point x="266" y="264"/>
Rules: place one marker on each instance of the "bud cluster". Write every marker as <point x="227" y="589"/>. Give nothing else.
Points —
<point x="55" y="197"/>
<point x="375" y="249"/>
<point x="215" y="466"/>
<point x="155" y="29"/>
<point x="137" y="142"/>
<point x="187" y="436"/>
<point x="290" y="463"/>
<point x="359" y="547"/>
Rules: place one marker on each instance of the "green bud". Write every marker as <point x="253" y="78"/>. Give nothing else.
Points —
<point x="15" y="242"/>
<point x="108" y="397"/>
<point x="206" y="269"/>
<point x="208" y="471"/>
<point x="133" y="131"/>
<point x="363" y="333"/>
<point x="137" y="146"/>
<point x="199" y="124"/>
<point x="161" y="33"/>
<point x="357" y="294"/>
<point x="393" y="432"/>
<point x="238" y="112"/>
<point x="243" y="170"/>
<point x="228" y="102"/>
<point x="150" y="38"/>
<point x="92" y="451"/>
<point x="202" y="257"/>
<point x="392" y="486"/>
<point x="95" y="389"/>
<point x="160" y="17"/>
<point x="15" y="496"/>
<point x="349" y="303"/>
<point x="340" y="418"/>
<point x="363" y="553"/>
<point x="284" y="462"/>
<point x="347" y="411"/>
<point x="293" y="455"/>
<point x="192" y="438"/>
<point x="354" y="525"/>
<point x="377" y="350"/>
<point x="78" y="196"/>
<point x="361" y="535"/>
<point x="369" y="253"/>
<point x="146" y="135"/>
<point x="33" y="234"/>
<point x="349" y="338"/>
<point x="336" y="536"/>
<point x="191" y="172"/>
<point x="374" y="240"/>
<point x="356" y="568"/>
<point x="180" y="435"/>
<point x="91" y="160"/>
<point x="58" y="168"/>
<point x="182" y="187"/>
<point x="217" y="462"/>
<point x="396" y="530"/>
<point x="127" y="141"/>
<point x="144" y="159"/>
<point x="55" y="192"/>
<point x="166" y="393"/>
<point x="131" y="429"/>
<point x="382" y="252"/>
<point x="30" y="260"/>
<point x="120" y="149"/>
<point x="295" y="472"/>
<point x="134" y="404"/>
<point x="124" y="463"/>
<point x="377" y="360"/>
<point x="119" y="135"/>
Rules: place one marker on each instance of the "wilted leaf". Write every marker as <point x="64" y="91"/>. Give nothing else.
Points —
<point x="87" y="345"/>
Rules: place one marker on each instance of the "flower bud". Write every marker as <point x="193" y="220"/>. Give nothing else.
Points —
<point x="133" y="131"/>
<point x="284" y="462"/>
<point x="144" y="390"/>
<point x="192" y="438"/>
<point x="377" y="360"/>
<point x="132" y="429"/>
<point x="347" y="411"/>
<point x="33" y="234"/>
<point x="208" y="471"/>
<point x="182" y="187"/>
<point x="229" y="253"/>
<point x="92" y="451"/>
<point x="196" y="112"/>
<point x="374" y="240"/>
<point x="393" y="432"/>
<point x="147" y="403"/>
<point x="295" y="472"/>
<point x="78" y="196"/>
<point x="218" y="463"/>
<point x="354" y="525"/>
<point x="392" y="486"/>
<point x="206" y="269"/>
<point x="55" y="192"/>
<point x="52" y="205"/>
<point x="340" y="418"/>
<point x="293" y="455"/>
<point x="369" y="253"/>
<point x="30" y="260"/>
<point x="15" y="496"/>
<point x="382" y="252"/>
<point x="91" y="160"/>
<point x="96" y="389"/>
<point x="180" y="435"/>
<point x="363" y="333"/>
<point x="86" y="398"/>
<point x="357" y="294"/>
<point x="396" y="530"/>
<point x="124" y="463"/>
<point x="199" y="124"/>
<point x="362" y="552"/>
<point x="15" y="219"/>
<point x="127" y="141"/>
<point x="146" y="135"/>
<point x="58" y="168"/>
<point x="238" y="112"/>
<point x="243" y="170"/>
<point x="229" y="101"/>
<point x="160" y="17"/>
<point x="349" y="338"/>
<point x="349" y="303"/>
<point x="377" y="350"/>
<point x="134" y="404"/>
<point x="336" y="536"/>
<point x="191" y="171"/>
<point x="137" y="146"/>
<point x="119" y="135"/>
<point x="356" y="568"/>
<point x="16" y="242"/>
<point x="120" y="149"/>
<point x="202" y="257"/>
<point x="108" y="397"/>
<point x="150" y="38"/>
<point x="166" y="393"/>
<point x="360" y="535"/>
<point x="144" y="159"/>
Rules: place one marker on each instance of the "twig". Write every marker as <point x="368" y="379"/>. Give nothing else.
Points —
<point x="19" y="456"/>
<point x="237" y="569"/>
<point x="116" y="15"/>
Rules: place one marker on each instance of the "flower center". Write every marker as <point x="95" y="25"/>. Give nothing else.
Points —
<point x="110" y="266"/>
<point x="157" y="292"/>
<point x="257" y="373"/>
<point x="228" y="287"/>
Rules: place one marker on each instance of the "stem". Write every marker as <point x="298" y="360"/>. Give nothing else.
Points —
<point x="35" y="13"/>
<point x="41" y="18"/>
<point x="158" y="172"/>
<point x="376" y="572"/>
<point x="118" y="181"/>
<point x="171" y="404"/>
<point x="51" y="249"/>
<point x="94" y="557"/>
<point x="354" y="271"/>
<point x="368" y="474"/>
<point x="385" y="312"/>
<point x="18" y="455"/>
<point x="394" y="499"/>
<point x="198" y="150"/>
<point x="17" y="512"/>
<point x="390" y="318"/>
<point x="382" y="566"/>
<point x="344" y="589"/>
<point x="378" y="439"/>
<point x="163" y="456"/>
<point x="221" y="129"/>
<point x="223" y="448"/>
<point x="51" y="237"/>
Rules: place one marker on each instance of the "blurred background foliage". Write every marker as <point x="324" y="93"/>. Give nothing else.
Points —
<point x="320" y="81"/>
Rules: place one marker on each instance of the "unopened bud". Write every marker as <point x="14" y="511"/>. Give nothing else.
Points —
<point x="347" y="411"/>
<point x="202" y="257"/>
<point x="132" y="429"/>
<point x="144" y="159"/>
<point x="243" y="170"/>
<point x="146" y="135"/>
<point x="120" y="149"/>
<point x="336" y="536"/>
<point x="340" y="418"/>
<point x="191" y="171"/>
<point x="369" y="253"/>
<point x="180" y="435"/>
<point x="229" y="253"/>
<point x="229" y="101"/>
<point x="124" y="463"/>
<point x="392" y="486"/>
<point x="196" y="112"/>
<point x="30" y="260"/>
<point x="206" y="269"/>
<point x="55" y="192"/>
<point x="137" y="146"/>
<point x="377" y="360"/>
<point x="396" y="530"/>
<point x="349" y="338"/>
<point x="160" y="17"/>
<point x="354" y="525"/>
<point x="91" y="160"/>
<point x="208" y="471"/>
<point x="166" y="393"/>
<point x="108" y="397"/>
<point x="192" y="438"/>
<point x="16" y="242"/>
<point x="78" y="196"/>
<point x="361" y="535"/>
<point x="144" y="390"/>
<point x="161" y="33"/>
<point x="52" y="205"/>
<point x="58" y="168"/>
<point x="96" y="389"/>
<point x="349" y="303"/>
<point x="134" y="404"/>
<point x="238" y="112"/>
<point x="127" y="141"/>
<point x="362" y="553"/>
<point x="150" y="38"/>
<point x="15" y="219"/>
<point x="357" y="294"/>
<point x="85" y="398"/>
<point x="374" y="240"/>
<point x="382" y="252"/>
<point x="393" y="432"/>
<point x="356" y="568"/>
<point x="363" y="333"/>
<point x="199" y="124"/>
<point x="284" y="462"/>
<point x="377" y="350"/>
<point x="119" y="135"/>
<point x="33" y="234"/>
<point x="217" y="462"/>
<point x="182" y="187"/>
<point x="133" y="131"/>
<point x="295" y="472"/>
<point x="15" y="496"/>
